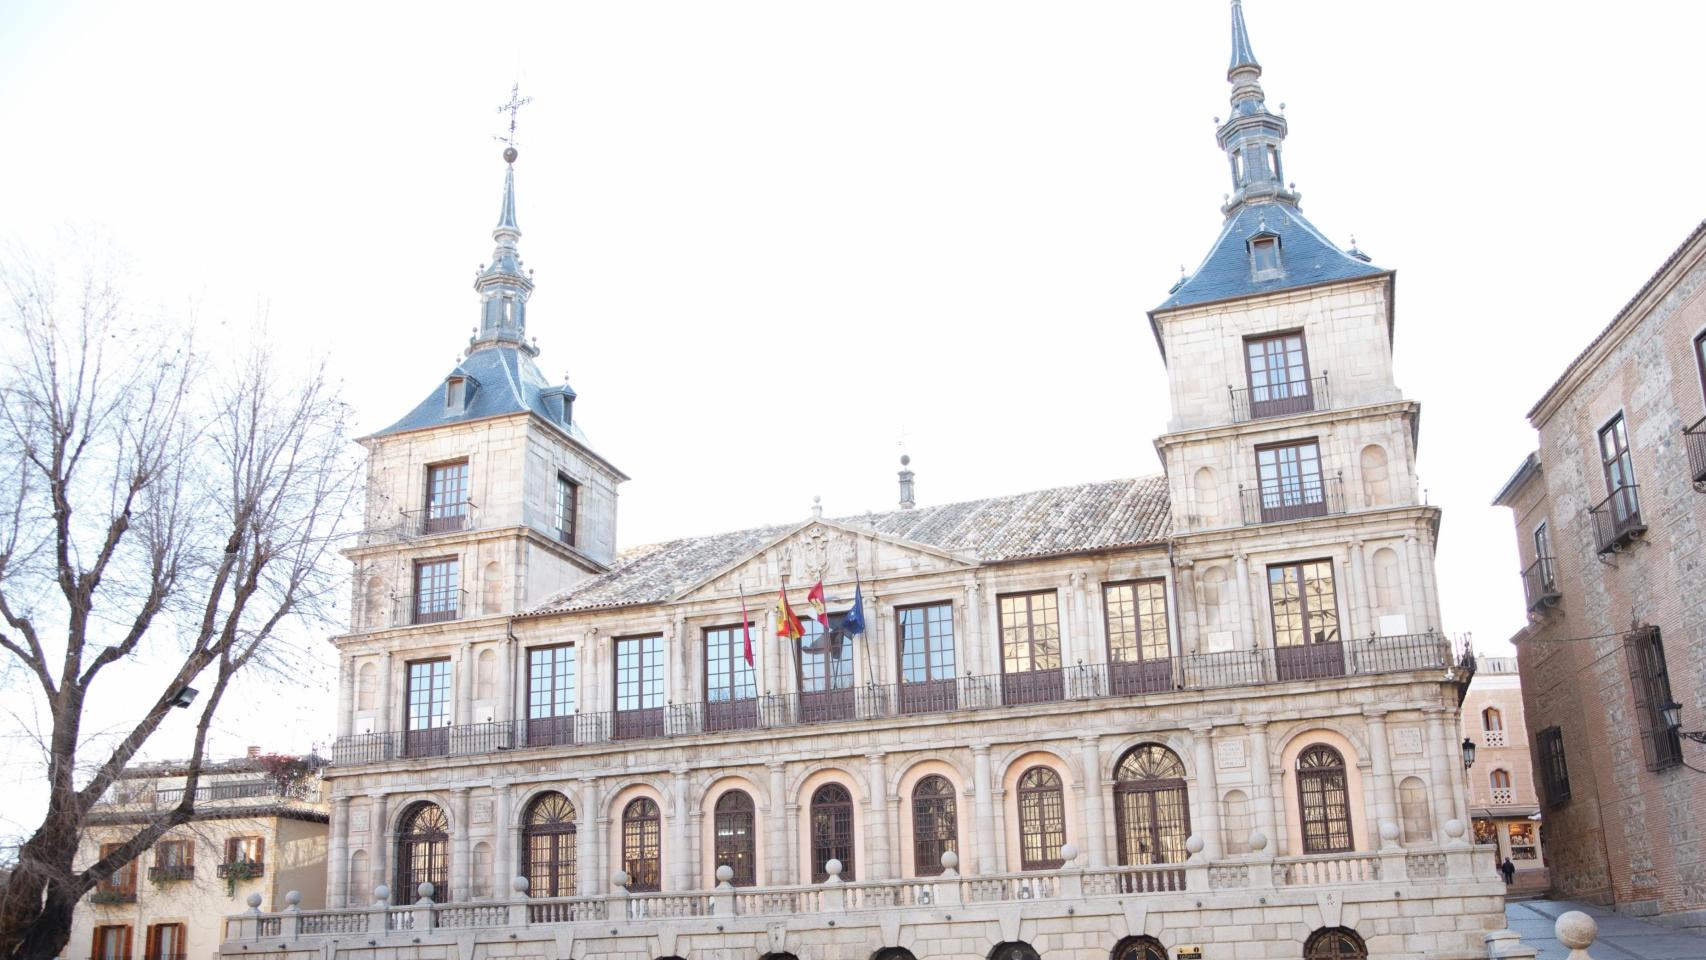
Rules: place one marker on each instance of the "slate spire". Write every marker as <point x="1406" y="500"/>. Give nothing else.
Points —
<point x="502" y="285"/>
<point x="1251" y="136"/>
<point x="1242" y="54"/>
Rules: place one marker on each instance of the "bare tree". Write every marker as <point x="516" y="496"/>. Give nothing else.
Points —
<point x="161" y="512"/>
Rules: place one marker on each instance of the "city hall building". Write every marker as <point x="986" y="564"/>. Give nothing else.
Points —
<point x="1210" y="713"/>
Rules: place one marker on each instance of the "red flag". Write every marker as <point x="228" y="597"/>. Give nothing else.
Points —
<point x="787" y="625"/>
<point x="815" y="598"/>
<point x="745" y="629"/>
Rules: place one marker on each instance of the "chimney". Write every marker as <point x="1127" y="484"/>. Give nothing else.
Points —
<point x="254" y="752"/>
<point x="907" y="493"/>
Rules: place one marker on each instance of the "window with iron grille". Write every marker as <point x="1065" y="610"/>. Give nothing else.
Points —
<point x="1554" y="771"/>
<point x="1335" y="943"/>
<point x="1139" y="948"/>
<point x="1650" y="682"/>
<point x="831" y="831"/>
<point x="1042" y="819"/>
<point x="1136" y="615"/>
<point x="1323" y="800"/>
<point x="423" y="853"/>
<point x="568" y="505"/>
<point x="642" y="846"/>
<point x="935" y="824"/>
<point x="549" y="830"/>
<point x="1151" y="808"/>
<point x="736" y="841"/>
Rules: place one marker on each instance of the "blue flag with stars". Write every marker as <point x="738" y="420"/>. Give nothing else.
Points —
<point x="853" y="623"/>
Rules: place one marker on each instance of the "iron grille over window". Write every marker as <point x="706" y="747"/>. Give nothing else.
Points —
<point x="935" y="825"/>
<point x="1042" y="820"/>
<point x="735" y="846"/>
<point x="1554" y="771"/>
<point x="1650" y="682"/>
<point x="1335" y="943"/>
<point x="832" y="831"/>
<point x="1140" y="948"/>
<point x="1323" y="799"/>
<point x="423" y="853"/>
<point x="642" y="850"/>
<point x="1151" y="808"/>
<point x="549" y="828"/>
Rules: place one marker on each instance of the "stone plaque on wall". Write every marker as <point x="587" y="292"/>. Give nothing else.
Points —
<point x="358" y="820"/>
<point x="1406" y="740"/>
<point x="481" y="810"/>
<point x="1229" y="754"/>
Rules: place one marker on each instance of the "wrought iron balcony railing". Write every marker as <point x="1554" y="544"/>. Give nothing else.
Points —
<point x="172" y="871"/>
<point x="1695" y="439"/>
<point x="1279" y="399"/>
<point x="1292" y="500"/>
<point x="241" y="869"/>
<point x="1617" y="518"/>
<point x="453" y="517"/>
<point x="1539" y="583"/>
<point x="439" y="606"/>
<point x="1090" y="681"/>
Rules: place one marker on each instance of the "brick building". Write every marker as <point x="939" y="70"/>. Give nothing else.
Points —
<point x="1504" y="808"/>
<point x="1119" y="718"/>
<point x="1611" y="524"/>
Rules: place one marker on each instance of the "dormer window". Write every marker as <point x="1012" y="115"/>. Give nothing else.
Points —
<point x="458" y="392"/>
<point x="1265" y="257"/>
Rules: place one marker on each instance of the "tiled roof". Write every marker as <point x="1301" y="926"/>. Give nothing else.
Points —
<point x="1086" y="516"/>
<point x="1308" y="258"/>
<point x="509" y="382"/>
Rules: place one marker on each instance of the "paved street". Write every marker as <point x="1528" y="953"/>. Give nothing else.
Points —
<point x="1620" y="937"/>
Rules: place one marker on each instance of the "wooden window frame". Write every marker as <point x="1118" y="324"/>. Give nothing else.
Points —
<point x="430" y="739"/>
<point x="1619" y="458"/>
<point x="932" y="652"/>
<point x="1492" y="720"/>
<point x="1649" y="683"/>
<point x="1290" y="384"/>
<point x="1034" y="684"/>
<point x="568" y="511"/>
<point x="731" y="702"/>
<point x="1305" y="612"/>
<point x="1036" y="852"/>
<point x="429" y="843"/>
<point x="734" y="837"/>
<point x="122" y="882"/>
<point x="641" y="720"/>
<point x="440" y="513"/>
<point x="152" y="951"/>
<point x="1700" y="361"/>
<point x="1149" y="807"/>
<point x="935" y="823"/>
<point x="545" y="831"/>
<point x="1543" y="556"/>
<point x="1497" y="774"/>
<point x="105" y="931"/>
<point x="449" y="591"/>
<point x="548" y="721"/>
<point x="833" y="831"/>
<point x="642" y="845"/>
<point x="1554" y="765"/>
<point x="1299" y="497"/>
<point x="1144" y="643"/>
<point x="1306" y="779"/>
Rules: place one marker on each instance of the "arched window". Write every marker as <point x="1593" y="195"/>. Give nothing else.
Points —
<point x="423" y="853"/>
<point x="1139" y="948"/>
<point x="935" y="824"/>
<point x="1334" y="943"/>
<point x="1491" y="720"/>
<point x="1500" y="780"/>
<point x="1042" y="820"/>
<point x="1013" y="950"/>
<point x="735" y="839"/>
<point x="1151" y="809"/>
<point x="832" y="831"/>
<point x="1323" y="798"/>
<point x="893" y="953"/>
<point x="550" y="848"/>
<point x="642" y="848"/>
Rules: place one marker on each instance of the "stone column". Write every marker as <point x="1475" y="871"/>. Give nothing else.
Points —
<point x="781" y="845"/>
<point x="876" y="821"/>
<point x="769" y="651"/>
<point x="589" y="874"/>
<point x="379" y="847"/>
<point x="1262" y="800"/>
<point x="506" y="832"/>
<point x="1072" y="622"/>
<point x="460" y="874"/>
<point x="970" y="655"/>
<point x="1187" y="622"/>
<point x="464" y="685"/>
<point x="679" y="860"/>
<point x="1095" y="832"/>
<point x="696" y="872"/>
<point x="1208" y="790"/>
<point x="987" y="826"/>
<point x="346" y="695"/>
<point x="1380" y="755"/>
<point x="515" y="678"/>
<point x="385" y="719"/>
<point x="1246" y="613"/>
<point x="1414" y="598"/>
<point x="675" y="661"/>
<point x="1439" y="769"/>
<point x="883" y="657"/>
<point x="337" y="853"/>
<point x="1362" y="596"/>
<point x="1430" y="583"/>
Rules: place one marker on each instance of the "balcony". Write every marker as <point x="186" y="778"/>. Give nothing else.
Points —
<point x="171" y="872"/>
<point x="428" y="522"/>
<point x="1292" y="500"/>
<point x="1617" y="519"/>
<point x="241" y="870"/>
<point x="1695" y="439"/>
<point x="1279" y="399"/>
<point x="1539" y="584"/>
<point x="256" y="787"/>
<point x="111" y="895"/>
<point x="885" y="702"/>
<point x="440" y="606"/>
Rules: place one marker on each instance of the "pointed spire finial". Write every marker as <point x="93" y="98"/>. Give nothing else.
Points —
<point x="1242" y="54"/>
<point x="503" y="287"/>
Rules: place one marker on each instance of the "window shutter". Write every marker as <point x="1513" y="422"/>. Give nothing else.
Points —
<point x="126" y="950"/>
<point x="260" y="849"/>
<point x="1638" y="653"/>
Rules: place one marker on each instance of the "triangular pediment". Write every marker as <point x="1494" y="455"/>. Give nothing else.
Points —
<point x="827" y="550"/>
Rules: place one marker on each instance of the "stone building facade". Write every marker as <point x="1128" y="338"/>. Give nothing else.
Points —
<point x="1212" y="710"/>
<point x="260" y="830"/>
<point x="1610" y="514"/>
<point x="1504" y="808"/>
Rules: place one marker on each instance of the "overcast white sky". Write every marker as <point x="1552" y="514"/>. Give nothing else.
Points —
<point x="773" y="240"/>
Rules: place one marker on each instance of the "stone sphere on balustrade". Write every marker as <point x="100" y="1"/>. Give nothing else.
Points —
<point x="254" y="901"/>
<point x="425" y="890"/>
<point x="1388" y="830"/>
<point x="833" y="868"/>
<point x="1258" y="841"/>
<point x="725" y="873"/>
<point x="519" y="885"/>
<point x="1454" y="828"/>
<point x="1193" y="844"/>
<point x="950" y="860"/>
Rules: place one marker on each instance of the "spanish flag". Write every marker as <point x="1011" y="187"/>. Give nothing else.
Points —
<point x="815" y="598"/>
<point x="787" y="625"/>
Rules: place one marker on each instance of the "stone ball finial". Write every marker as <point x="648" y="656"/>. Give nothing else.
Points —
<point x="1575" y="929"/>
<point x="1069" y="851"/>
<point x="725" y="873"/>
<point x="1193" y="844"/>
<point x="254" y="901"/>
<point x="1454" y="828"/>
<point x="510" y="154"/>
<point x="950" y="860"/>
<point x="833" y="868"/>
<point x="382" y="893"/>
<point x="620" y="878"/>
<point x="519" y="885"/>
<point x="1388" y="830"/>
<point x="905" y="460"/>
<point x="1258" y="841"/>
<point x="425" y="890"/>
<point x="293" y="897"/>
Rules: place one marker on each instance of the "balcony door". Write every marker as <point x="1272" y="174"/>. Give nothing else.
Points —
<point x="551" y="695"/>
<point x="1139" y="650"/>
<point x="426" y="724"/>
<point x="1619" y="466"/>
<point x="1278" y="370"/>
<point x="639" y="687"/>
<point x="731" y="691"/>
<point x="927" y="658"/>
<point x="1030" y="648"/>
<point x="825" y="665"/>
<point x="1305" y="614"/>
<point x="447" y="498"/>
<point x="1289" y="478"/>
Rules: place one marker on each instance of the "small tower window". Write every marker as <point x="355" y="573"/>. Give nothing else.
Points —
<point x="1265" y="257"/>
<point x="458" y="391"/>
<point x="1273" y="162"/>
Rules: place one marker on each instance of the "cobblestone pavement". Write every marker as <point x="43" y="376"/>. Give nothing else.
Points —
<point x="1620" y="937"/>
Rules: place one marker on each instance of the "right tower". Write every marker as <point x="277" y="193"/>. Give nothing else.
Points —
<point x="1290" y="454"/>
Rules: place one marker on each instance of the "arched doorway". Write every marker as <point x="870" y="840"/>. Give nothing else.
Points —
<point x="423" y="853"/>
<point x="1152" y="813"/>
<point x="549" y="826"/>
<point x="1138" y="948"/>
<point x="1335" y="943"/>
<point x="1014" y="950"/>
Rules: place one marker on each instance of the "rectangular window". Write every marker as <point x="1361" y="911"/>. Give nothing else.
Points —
<point x="1030" y="647"/>
<point x="927" y="658"/>
<point x="550" y="694"/>
<point x="1290" y="485"/>
<point x="1264" y="253"/>
<point x="1305" y="616"/>
<point x="1700" y="361"/>
<point x="731" y="689"/>
<point x="1139" y="647"/>
<point x="1277" y="373"/>
<point x="120" y="887"/>
<point x="639" y="687"/>
<point x="1522" y="839"/>
<point x="1554" y="771"/>
<point x="172" y="853"/>
<point x="1648" y="678"/>
<point x="447" y="497"/>
<point x="426" y="720"/>
<point x="112" y="942"/>
<point x="438" y="596"/>
<point x="568" y="505"/>
<point x="1543" y="557"/>
<point x="245" y="850"/>
<point x="166" y="941"/>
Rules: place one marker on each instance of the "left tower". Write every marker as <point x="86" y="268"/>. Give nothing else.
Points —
<point x="481" y="501"/>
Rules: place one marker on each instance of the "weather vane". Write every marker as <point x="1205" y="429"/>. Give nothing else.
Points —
<point x="516" y="102"/>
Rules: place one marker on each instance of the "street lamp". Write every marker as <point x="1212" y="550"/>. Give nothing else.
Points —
<point x="1672" y="713"/>
<point x="1468" y="753"/>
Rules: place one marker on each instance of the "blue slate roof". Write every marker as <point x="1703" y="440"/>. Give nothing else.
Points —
<point x="1306" y="257"/>
<point x="508" y="382"/>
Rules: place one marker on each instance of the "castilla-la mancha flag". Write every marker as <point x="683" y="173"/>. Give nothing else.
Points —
<point x="815" y="598"/>
<point x="787" y="625"/>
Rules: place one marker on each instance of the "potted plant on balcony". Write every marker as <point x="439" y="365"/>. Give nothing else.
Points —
<point x="238" y="870"/>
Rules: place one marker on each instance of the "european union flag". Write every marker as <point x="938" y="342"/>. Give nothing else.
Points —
<point x="853" y="623"/>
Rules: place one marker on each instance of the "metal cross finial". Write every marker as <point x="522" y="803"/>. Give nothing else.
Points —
<point x="516" y="102"/>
